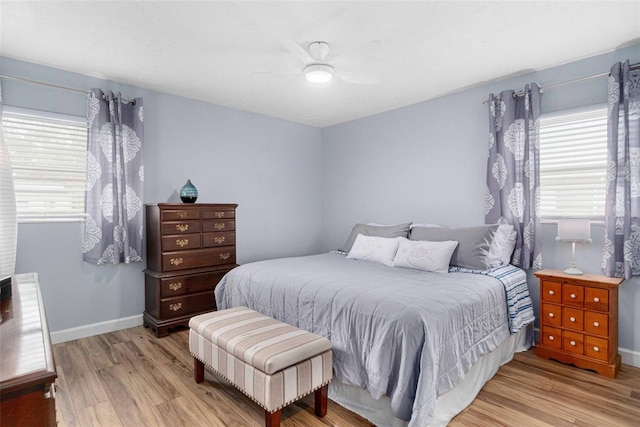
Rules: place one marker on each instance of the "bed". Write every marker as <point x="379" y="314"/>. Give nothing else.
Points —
<point x="410" y="347"/>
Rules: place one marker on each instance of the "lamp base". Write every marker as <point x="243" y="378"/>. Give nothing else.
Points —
<point x="573" y="270"/>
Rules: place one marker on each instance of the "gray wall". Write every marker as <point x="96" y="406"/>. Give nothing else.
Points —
<point x="271" y="168"/>
<point x="427" y="163"/>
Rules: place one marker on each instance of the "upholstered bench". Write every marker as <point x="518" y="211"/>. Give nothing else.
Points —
<point x="272" y="362"/>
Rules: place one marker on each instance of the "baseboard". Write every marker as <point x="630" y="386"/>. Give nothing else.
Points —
<point x="629" y="357"/>
<point x="95" y="329"/>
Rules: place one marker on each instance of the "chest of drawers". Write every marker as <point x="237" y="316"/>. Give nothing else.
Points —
<point x="579" y="320"/>
<point x="189" y="248"/>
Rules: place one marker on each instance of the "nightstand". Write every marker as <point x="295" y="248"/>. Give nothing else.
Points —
<point x="579" y="320"/>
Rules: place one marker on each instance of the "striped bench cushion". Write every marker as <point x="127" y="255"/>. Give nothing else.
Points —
<point x="271" y="362"/>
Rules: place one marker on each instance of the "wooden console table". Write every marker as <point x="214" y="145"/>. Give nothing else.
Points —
<point x="27" y="368"/>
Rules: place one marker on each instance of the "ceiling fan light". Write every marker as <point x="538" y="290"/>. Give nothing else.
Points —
<point x="318" y="73"/>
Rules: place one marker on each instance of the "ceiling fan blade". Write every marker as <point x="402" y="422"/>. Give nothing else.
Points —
<point x="295" y="49"/>
<point x="357" y="78"/>
<point x="358" y="53"/>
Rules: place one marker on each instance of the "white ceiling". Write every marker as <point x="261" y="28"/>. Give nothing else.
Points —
<point x="232" y="54"/>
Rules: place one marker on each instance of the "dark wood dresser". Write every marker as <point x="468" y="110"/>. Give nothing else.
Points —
<point x="189" y="248"/>
<point x="27" y="368"/>
<point x="579" y="320"/>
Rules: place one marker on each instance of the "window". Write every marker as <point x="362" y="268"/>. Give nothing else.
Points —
<point x="48" y="158"/>
<point x="573" y="163"/>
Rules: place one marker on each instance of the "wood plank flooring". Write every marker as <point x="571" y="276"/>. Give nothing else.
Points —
<point x="131" y="378"/>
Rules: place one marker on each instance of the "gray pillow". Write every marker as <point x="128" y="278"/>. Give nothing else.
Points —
<point x="473" y="243"/>
<point x="399" y="230"/>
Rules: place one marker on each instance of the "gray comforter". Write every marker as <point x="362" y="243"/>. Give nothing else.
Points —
<point x="407" y="334"/>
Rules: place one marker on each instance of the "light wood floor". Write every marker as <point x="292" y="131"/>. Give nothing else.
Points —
<point x="131" y="378"/>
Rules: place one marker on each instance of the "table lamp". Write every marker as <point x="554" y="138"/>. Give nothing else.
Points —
<point x="574" y="231"/>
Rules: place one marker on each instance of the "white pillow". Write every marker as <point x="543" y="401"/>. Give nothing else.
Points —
<point x="425" y="255"/>
<point x="376" y="249"/>
<point x="502" y="245"/>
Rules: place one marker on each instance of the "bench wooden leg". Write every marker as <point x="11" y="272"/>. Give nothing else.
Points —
<point x="272" y="419"/>
<point x="198" y="370"/>
<point x="321" y="401"/>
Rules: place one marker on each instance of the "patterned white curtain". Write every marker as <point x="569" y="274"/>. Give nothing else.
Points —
<point x="115" y="174"/>
<point x="621" y="251"/>
<point x="513" y="181"/>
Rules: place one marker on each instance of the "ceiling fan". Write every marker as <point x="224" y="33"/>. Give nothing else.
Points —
<point x="319" y="69"/>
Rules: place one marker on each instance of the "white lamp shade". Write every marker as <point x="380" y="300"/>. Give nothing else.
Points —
<point x="574" y="230"/>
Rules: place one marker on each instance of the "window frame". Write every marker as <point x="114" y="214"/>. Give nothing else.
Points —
<point x="43" y="217"/>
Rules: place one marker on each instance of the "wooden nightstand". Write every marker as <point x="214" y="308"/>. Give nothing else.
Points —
<point x="579" y="320"/>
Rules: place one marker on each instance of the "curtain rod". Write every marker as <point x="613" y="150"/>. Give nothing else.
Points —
<point x="36" y="82"/>
<point x="568" y="82"/>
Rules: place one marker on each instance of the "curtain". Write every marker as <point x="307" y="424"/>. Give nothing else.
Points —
<point x="115" y="174"/>
<point x="513" y="181"/>
<point x="621" y="250"/>
<point x="8" y="218"/>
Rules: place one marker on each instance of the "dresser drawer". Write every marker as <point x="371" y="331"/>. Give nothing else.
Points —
<point x="183" y="260"/>
<point x="192" y="283"/>
<point x="551" y="314"/>
<point x="573" y="318"/>
<point x="180" y="215"/>
<point x="551" y="291"/>
<point x="596" y="299"/>
<point x="597" y="348"/>
<point x="218" y="213"/>
<point x="596" y="323"/>
<point x="573" y="295"/>
<point x="185" y="305"/>
<point x="181" y="227"/>
<point x="573" y="342"/>
<point x="221" y="225"/>
<point x="177" y="243"/>
<point x="551" y="337"/>
<point x="210" y="240"/>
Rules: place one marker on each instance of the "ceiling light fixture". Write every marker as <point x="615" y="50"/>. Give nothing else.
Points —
<point x="318" y="73"/>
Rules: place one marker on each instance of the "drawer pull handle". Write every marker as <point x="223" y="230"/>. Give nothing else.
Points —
<point x="551" y="338"/>
<point x="181" y="214"/>
<point x="596" y="324"/>
<point x="596" y="299"/>
<point x="218" y="225"/>
<point x="219" y="240"/>
<point x="175" y="286"/>
<point x="176" y="261"/>
<point x="573" y="319"/>
<point x="225" y="256"/>
<point x="596" y="349"/>
<point x="182" y="227"/>
<point x="175" y="307"/>
<point x="573" y="343"/>
<point x="219" y="214"/>
<point x="551" y="293"/>
<point x="182" y="242"/>
<point x="550" y="314"/>
<point x="573" y="296"/>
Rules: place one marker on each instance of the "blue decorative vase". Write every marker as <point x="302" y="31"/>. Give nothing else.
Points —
<point x="188" y="192"/>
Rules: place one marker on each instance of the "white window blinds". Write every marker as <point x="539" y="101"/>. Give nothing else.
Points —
<point x="48" y="158"/>
<point x="573" y="163"/>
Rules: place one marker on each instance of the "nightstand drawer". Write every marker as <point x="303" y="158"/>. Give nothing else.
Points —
<point x="551" y="314"/>
<point x="180" y="215"/>
<point x="218" y="214"/>
<point x="573" y="318"/>
<point x="184" y="305"/>
<point x="597" y="348"/>
<point x="573" y="295"/>
<point x="184" y="260"/>
<point x="210" y="240"/>
<point x="573" y="342"/>
<point x="596" y="323"/>
<point x="221" y="225"/>
<point x="551" y="291"/>
<point x="596" y="299"/>
<point x="551" y="337"/>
